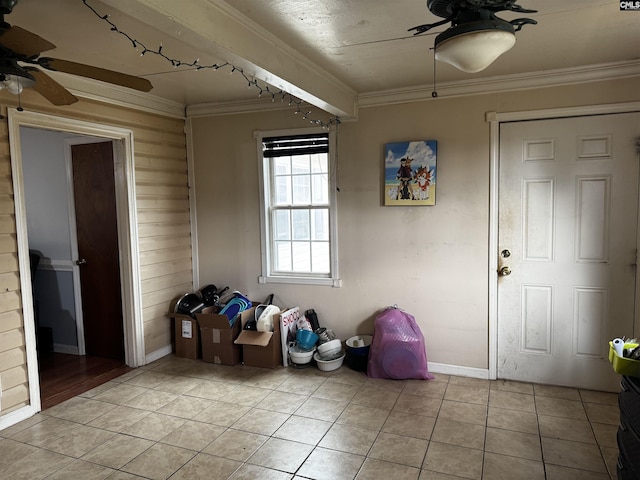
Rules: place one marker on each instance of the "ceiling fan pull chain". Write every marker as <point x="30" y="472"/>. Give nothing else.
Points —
<point x="18" y="80"/>
<point x="434" y="94"/>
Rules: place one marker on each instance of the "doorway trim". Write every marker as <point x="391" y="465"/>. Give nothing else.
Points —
<point x="122" y="140"/>
<point x="495" y="119"/>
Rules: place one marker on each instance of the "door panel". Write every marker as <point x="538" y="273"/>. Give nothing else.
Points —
<point x="97" y="233"/>
<point x="568" y="213"/>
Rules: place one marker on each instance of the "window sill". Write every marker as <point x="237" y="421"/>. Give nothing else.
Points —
<point x="330" y="282"/>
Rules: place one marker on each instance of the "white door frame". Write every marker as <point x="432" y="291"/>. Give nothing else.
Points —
<point x="127" y="234"/>
<point x="495" y="119"/>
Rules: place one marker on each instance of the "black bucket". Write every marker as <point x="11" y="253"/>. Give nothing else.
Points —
<point x="357" y="352"/>
<point x="357" y="362"/>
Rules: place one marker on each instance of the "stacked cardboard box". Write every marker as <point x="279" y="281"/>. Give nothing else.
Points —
<point x="260" y="349"/>
<point x="210" y="337"/>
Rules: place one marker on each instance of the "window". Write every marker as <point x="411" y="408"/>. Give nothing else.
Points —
<point x="298" y="207"/>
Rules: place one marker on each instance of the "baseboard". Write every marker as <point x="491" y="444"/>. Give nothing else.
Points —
<point x="70" y="349"/>
<point x="442" y="368"/>
<point x="16" y="416"/>
<point x="158" y="354"/>
<point x="458" y="370"/>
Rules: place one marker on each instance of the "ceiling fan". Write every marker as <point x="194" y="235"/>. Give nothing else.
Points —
<point x="476" y="36"/>
<point x="20" y="58"/>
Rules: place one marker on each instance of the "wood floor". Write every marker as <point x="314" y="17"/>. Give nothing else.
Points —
<point x="64" y="376"/>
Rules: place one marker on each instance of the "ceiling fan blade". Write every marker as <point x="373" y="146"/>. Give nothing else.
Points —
<point x="23" y="42"/>
<point x="50" y="89"/>
<point x="109" y="76"/>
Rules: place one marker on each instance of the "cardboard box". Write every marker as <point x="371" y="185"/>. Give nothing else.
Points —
<point x="260" y="349"/>
<point x="187" y="336"/>
<point x="217" y="338"/>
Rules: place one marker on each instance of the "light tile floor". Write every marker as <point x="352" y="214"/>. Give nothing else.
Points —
<point x="185" y="419"/>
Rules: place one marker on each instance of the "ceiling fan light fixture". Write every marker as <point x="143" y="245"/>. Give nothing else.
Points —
<point x="473" y="50"/>
<point x="477" y="36"/>
<point x="15" y="84"/>
<point x="6" y="6"/>
<point x="14" y="78"/>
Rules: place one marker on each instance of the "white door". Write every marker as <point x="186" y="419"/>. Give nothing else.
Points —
<point x="568" y="217"/>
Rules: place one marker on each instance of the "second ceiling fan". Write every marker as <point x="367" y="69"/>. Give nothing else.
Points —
<point x="476" y="36"/>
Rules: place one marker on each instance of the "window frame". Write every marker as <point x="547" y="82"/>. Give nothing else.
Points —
<point x="267" y="241"/>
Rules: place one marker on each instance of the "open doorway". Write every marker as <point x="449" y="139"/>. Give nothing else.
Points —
<point x="62" y="311"/>
<point x="69" y="184"/>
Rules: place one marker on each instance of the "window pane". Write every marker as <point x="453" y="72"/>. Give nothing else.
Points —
<point x="282" y="166"/>
<point x="301" y="257"/>
<point x="283" y="190"/>
<point x="320" y="224"/>
<point x="282" y="225"/>
<point x="320" y="257"/>
<point x="319" y="163"/>
<point x="301" y="190"/>
<point x="300" y="164"/>
<point x="320" y="189"/>
<point x="300" y="220"/>
<point x="283" y="256"/>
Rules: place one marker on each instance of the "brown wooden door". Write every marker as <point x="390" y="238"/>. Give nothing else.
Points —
<point x="97" y="230"/>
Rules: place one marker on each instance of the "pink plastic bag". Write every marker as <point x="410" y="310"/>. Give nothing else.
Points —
<point x="398" y="350"/>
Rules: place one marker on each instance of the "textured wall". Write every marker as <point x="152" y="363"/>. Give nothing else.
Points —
<point x="431" y="261"/>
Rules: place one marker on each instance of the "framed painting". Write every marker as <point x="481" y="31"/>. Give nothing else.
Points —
<point x="410" y="173"/>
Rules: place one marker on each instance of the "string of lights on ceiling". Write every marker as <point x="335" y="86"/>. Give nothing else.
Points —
<point x="262" y="88"/>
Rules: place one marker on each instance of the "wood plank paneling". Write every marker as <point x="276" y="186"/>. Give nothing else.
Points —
<point x="14" y="398"/>
<point x="165" y="190"/>
<point x="6" y="187"/>
<point x="14" y="376"/>
<point x="160" y="243"/>
<point x="171" y="204"/>
<point x="6" y="205"/>
<point x="165" y="151"/>
<point x="9" y="282"/>
<point x="165" y="268"/>
<point x="10" y="301"/>
<point x="165" y="178"/>
<point x="162" y="204"/>
<point x="7" y="224"/>
<point x="160" y="256"/>
<point x="10" y="320"/>
<point x="166" y="164"/>
<point x="151" y="216"/>
<point x="158" y="332"/>
<point x="11" y="339"/>
<point x="159" y="229"/>
<point x="9" y="262"/>
<point x="8" y="244"/>
<point x="160" y="297"/>
<point x="13" y="358"/>
<point x="156" y="311"/>
<point x="166" y="281"/>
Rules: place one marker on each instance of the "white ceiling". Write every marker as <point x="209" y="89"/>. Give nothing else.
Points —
<point x="326" y="52"/>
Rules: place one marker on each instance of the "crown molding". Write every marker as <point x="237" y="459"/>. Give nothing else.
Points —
<point x="477" y="86"/>
<point x="90" y="89"/>
<point x="504" y="83"/>
<point x="235" y="107"/>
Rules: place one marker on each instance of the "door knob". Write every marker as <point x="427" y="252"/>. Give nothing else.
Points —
<point x="81" y="261"/>
<point x="504" y="271"/>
